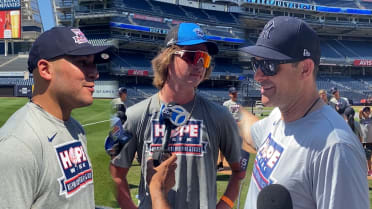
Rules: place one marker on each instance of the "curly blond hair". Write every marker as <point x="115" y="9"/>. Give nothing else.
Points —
<point x="160" y="66"/>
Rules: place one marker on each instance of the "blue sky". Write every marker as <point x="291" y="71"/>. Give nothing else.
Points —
<point x="46" y="14"/>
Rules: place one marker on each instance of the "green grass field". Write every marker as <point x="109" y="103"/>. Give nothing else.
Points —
<point x="96" y="133"/>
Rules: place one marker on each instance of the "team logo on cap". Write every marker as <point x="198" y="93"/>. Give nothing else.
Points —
<point x="267" y="30"/>
<point x="199" y="33"/>
<point x="79" y="36"/>
<point x="306" y="53"/>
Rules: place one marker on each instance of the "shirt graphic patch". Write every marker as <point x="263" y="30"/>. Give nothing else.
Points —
<point x="75" y="166"/>
<point x="234" y="108"/>
<point x="184" y="140"/>
<point x="266" y="160"/>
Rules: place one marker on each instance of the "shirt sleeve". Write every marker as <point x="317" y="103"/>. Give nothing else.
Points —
<point x="19" y="175"/>
<point x="230" y="139"/>
<point x="339" y="178"/>
<point x="125" y="158"/>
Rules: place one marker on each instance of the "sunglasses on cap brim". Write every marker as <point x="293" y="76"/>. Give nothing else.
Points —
<point x="269" y="67"/>
<point x="195" y="57"/>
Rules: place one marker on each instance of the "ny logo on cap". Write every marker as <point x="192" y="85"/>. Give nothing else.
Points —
<point x="267" y="30"/>
<point x="199" y="33"/>
<point x="79" y="36"/>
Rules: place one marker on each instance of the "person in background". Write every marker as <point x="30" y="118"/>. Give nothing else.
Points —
<point x="349" y="114"/>
<point x="365" y="121"/>
<point x="303" y="144"/>
<point x="118" y="104"/>
<point x="323" y="95"/>
<point x="336" y="102"/>
<point x="234" y="109"/>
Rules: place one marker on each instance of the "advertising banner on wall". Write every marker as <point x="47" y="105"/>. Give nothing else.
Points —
<point x="363" y="63"/>
<point x="22" y="91"/>
<point x="10" y="19"/>
<point x="106" y="89"/>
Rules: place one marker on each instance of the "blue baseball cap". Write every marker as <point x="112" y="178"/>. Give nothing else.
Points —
<point x="60" y="41"/>
<point x="186" y="34"/>
<point x="286" y="38"/>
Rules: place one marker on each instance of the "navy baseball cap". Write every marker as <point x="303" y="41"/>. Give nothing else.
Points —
<point x="122" y="90"/>
<point x="333" y="90"/>
<point x="186" y="34"/>
<point x="232" y="90"/>
<point x="286" y="38"/>
<point x="60" y="41"/>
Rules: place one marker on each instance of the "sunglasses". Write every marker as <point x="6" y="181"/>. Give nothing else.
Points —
<point x="195" y="57"/>
<point x="269" y="67"/>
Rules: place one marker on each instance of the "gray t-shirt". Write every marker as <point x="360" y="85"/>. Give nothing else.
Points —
<point x="44" y="162"/>
<point x="366" y="126"/>
<point x="234" y="109"/>
<point x="196" y="144"/>
<point x="342" y="102"/>
<point x="317" y="158"/>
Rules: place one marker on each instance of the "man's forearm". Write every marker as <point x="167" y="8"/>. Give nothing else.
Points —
<point x="159" y="200"/>
<point x="232" y="189"/>
<point x="123" y="196"/>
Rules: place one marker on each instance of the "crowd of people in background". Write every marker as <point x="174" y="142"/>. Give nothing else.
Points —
<point x="362" y="127"/>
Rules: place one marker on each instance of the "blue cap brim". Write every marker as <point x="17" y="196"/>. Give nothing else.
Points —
<point x="212" y="47"/>
<point x="265" y="53"/>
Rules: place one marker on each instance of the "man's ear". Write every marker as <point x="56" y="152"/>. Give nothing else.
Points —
<point x="307" y="68"/>
<point x="44" y="69"/>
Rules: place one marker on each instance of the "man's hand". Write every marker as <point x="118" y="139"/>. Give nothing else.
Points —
<point x="246" y="121"/>
<point x="161" y="179"/>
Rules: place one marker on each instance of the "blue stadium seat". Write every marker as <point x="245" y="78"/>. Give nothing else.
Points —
<point x="221" y="16"/>
<point x="140" y="5"/>
<point x="195" y="13"/>
<point x="168" y="8"/>
<point x="328" y="51"/>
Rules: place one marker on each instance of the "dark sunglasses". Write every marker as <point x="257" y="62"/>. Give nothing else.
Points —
<point x="269" y="67"/>
<point x="194" y="57"/>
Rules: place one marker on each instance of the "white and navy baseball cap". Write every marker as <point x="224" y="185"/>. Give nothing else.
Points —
<point x="186" y="34"/>
<point x="286" y="38"/>
<point x="232" y="90"/>
<point x="60" y="41"/>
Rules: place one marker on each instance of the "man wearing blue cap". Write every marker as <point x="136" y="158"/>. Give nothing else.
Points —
<point x="44" y="161"/>
<point x="303" y="144"/>
<point x="178" y="69"/>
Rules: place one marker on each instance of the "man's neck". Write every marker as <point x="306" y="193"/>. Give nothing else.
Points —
<point x="301" y="107"/>
<point x="178" y="95"/>
<point x="49" y="105"/>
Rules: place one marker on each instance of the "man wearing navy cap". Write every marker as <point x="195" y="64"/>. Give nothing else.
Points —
<point x="234" y="109"/>
<point x="178" y="70"/>
<point x="44" y="161"/>
<point x="303" y="144"/>
<point x="118" y="104"/>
